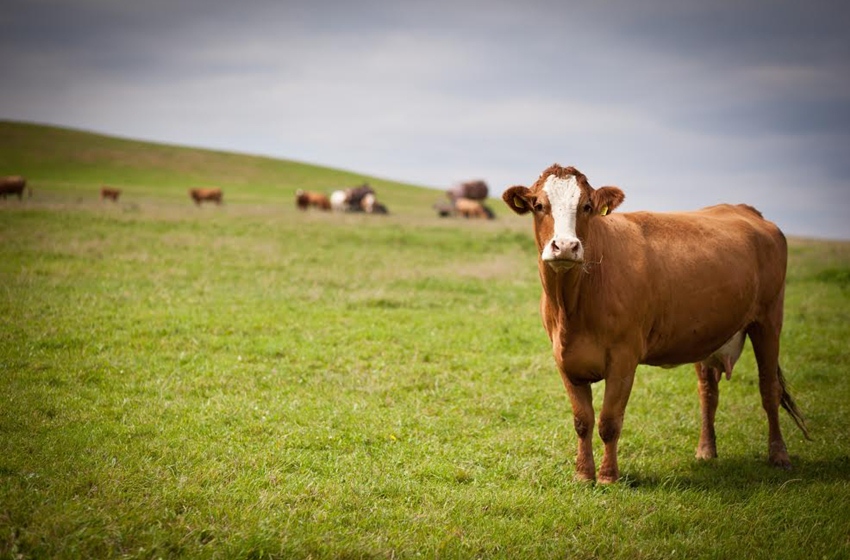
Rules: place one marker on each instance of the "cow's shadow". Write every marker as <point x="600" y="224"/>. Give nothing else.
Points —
<point x="743" y="474"/>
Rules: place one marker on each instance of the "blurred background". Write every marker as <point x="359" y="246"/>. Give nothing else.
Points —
<point x="680" y="103"/>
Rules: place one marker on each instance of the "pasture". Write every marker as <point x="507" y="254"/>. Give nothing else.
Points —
<point x="251" y="381"/>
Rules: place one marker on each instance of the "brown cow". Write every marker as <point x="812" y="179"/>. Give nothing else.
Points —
<point x="306" y="199"/>
<point x="472" y="209"/>
<point x="109" y="192"/>
<point x="14" y="184"/>
<point x="660" y="289"/>
<point x="210" y="195"/>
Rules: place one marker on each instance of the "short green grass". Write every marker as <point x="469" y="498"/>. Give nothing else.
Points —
<point x="250" y="381"/>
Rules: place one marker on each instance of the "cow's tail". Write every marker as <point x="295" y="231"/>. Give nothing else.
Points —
<point x="790" y="406"/>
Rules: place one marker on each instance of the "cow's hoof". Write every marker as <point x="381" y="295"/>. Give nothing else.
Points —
<point x="608" y="477"/>
<point x="779" y="456"/>
<point x="781" y="462"/>
<point x="705" y="453"/>
<point x="585" y="477"/>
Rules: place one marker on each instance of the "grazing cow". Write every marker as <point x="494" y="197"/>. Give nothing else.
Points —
<point x="109" y="192"/>
<point x="659" y="289"/>
<point x="14" y="184"/>
<point x="306" y="199"/>
<point x="209" y="195"/>
<point x="473" y="190"/>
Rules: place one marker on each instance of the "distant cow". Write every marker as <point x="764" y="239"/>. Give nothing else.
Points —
<point x="306" y="199"/>
<point x="351" y="199"/>
<point x="472" y="209"/>
<point x="658" y="289"/>
<point x="110" y="193"/>
<point x="473" y="190"/>
<point x="208" y="195"/>
<point x="14" y="184"/>
<point x="355" y="195"/>
<point x="339" y="202"/>
<point x="370" y="205"/>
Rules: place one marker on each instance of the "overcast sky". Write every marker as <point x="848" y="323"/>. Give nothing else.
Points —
<point x="681" y="103"/>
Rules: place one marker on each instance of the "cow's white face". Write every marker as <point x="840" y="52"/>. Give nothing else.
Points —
<point x="563" y="204"/>
<point x="564" y="249"/>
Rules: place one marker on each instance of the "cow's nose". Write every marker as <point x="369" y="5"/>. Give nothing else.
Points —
<point x="565" y="248"/>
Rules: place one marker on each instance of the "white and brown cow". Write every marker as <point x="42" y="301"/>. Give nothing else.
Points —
<point x="660" y="289"/>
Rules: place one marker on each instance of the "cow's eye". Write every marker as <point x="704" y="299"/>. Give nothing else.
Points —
<point x="588" y="208"/>
<point x="538" y="207"/>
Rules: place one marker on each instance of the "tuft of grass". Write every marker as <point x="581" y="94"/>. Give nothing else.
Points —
<point x="254" y="382"/>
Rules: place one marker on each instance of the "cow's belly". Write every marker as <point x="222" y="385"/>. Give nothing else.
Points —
<point x="688" y="346"/>
<point x="697" y="319"/>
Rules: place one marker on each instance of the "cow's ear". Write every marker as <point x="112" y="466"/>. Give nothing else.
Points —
<point x="518" y="199"/>
<point x="606" y="199"/>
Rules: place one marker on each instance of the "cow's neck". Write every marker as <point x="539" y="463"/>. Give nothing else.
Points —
<point x="563" y="289"/>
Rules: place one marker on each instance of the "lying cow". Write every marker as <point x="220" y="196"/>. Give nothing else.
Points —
<point x="370" y="205"/>
<point x="110" y="193"/>
<point x="14" y="184"/>
<point x="357" y="199"/>
<point x="306" y="199"/>
<point x="472" y="209"/>
<point x="660" y="289"/>
<point x="208" y="195"/>
<point x="339" y="202"/>
<point x="463" y="207"/>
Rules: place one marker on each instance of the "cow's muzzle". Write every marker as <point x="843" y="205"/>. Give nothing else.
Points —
<point x="563" y="253"/>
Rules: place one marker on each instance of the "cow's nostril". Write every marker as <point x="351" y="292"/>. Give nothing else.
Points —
<point x="555" y="247"/>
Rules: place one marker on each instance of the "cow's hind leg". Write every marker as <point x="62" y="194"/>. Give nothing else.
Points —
<point x="709" y="394"/>
<point x="581" y="399"/>
<point x="765" y="340"/>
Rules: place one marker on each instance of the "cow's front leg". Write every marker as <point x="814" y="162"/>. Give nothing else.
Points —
<point x="581" y="399"/>
<point x="708" y="397"/>
<point x="618" y="387"/>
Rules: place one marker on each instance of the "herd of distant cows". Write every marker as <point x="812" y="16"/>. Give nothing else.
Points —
<point x="464" y="199"/>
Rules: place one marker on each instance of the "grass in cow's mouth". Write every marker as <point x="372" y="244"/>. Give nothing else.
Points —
<point x="254" y="382"/>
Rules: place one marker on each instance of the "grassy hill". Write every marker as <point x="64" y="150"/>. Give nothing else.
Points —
<point x="251" y="381"/>
<point x="64" y="164"/>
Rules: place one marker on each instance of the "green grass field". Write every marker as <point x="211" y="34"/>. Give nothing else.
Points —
<point x="250" y="381"/>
